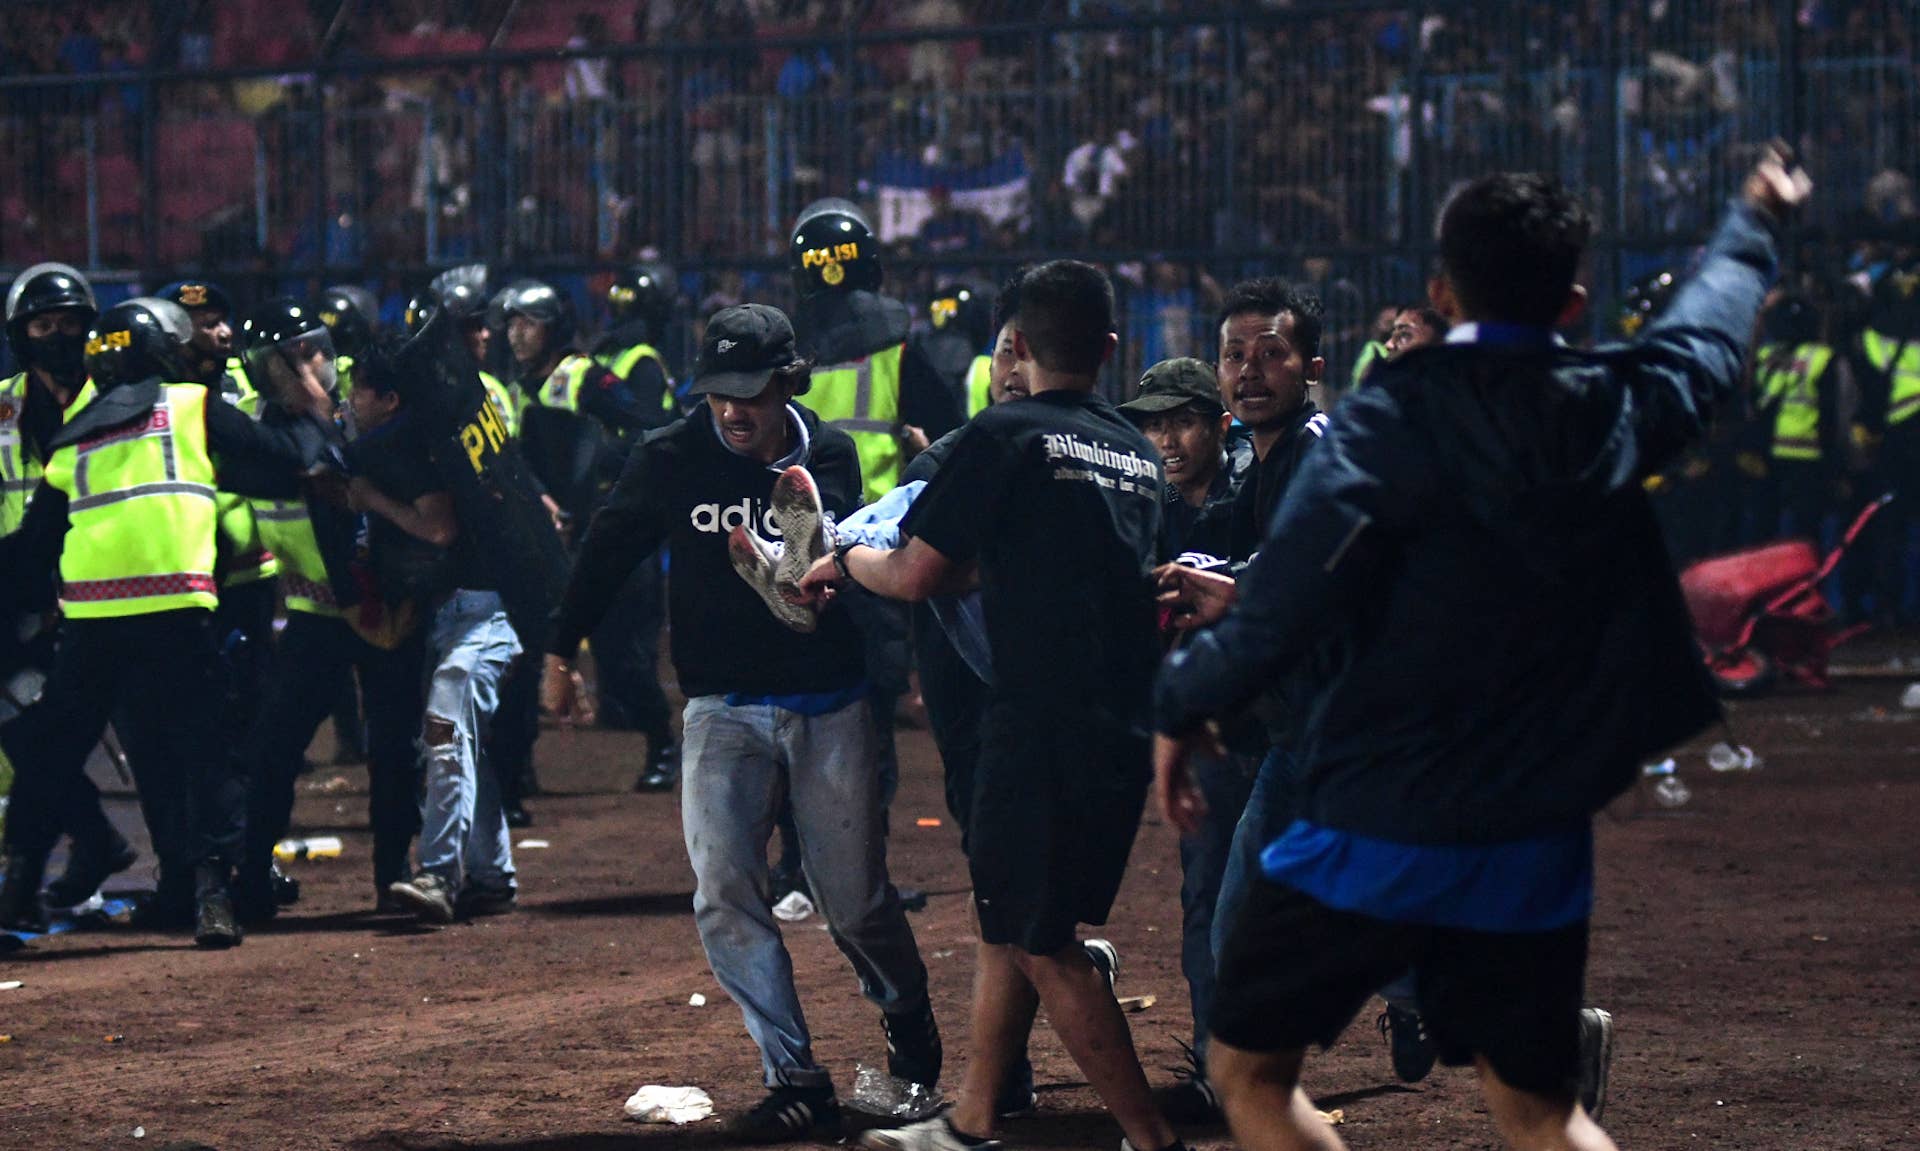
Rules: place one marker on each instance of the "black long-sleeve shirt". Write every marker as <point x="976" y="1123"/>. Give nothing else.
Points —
<point x="684" y="488"/>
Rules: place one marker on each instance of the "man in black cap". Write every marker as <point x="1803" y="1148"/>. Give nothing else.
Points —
<point x="772" y="710"/>
<point x="1178" y="409"/>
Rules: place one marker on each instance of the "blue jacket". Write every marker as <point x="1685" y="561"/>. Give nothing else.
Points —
<point x="1473" y="537"/>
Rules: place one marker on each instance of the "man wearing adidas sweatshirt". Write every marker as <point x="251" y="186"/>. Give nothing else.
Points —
<point x="770" y="711"/>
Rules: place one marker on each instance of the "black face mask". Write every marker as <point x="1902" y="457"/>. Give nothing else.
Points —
<point x="61" y="356"/>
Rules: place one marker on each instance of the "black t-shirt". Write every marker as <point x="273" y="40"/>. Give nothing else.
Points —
<point x="1058" y="499"/>
<point x="395" y="458"/>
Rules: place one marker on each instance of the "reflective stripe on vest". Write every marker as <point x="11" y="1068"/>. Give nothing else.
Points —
<point x="502" y="402"/>
<point x="562" y="389"/>
<point x="862" y="399"/>
<point x="287" y="528"/>
<point x="623" y="363"/>
<point x="979" y="385"/>
<point x="140" y="513"/>
<point x="1905" y="397"/>
<point x="1373" y="353"/>
<point x="19" y="472"/>
<point x="1792" y="377"/>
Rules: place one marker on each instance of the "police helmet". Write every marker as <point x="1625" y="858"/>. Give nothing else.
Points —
<point x="137" y="340"/>
<point x="462" y="291"/>
<point x="196" y="294"/>
<point x="645" y="292"/>
<point x="540" y="302"/>
<point x="1643" y="301"/>
<point x="1895" y="310"/>
<point x="44" y="288"/>
<point x="1791" y="320"/>
<point x="282" y="328"/>
<point x="353" y="316"/>
<point x="965" y="309"/>
<point x="833" y="249"/>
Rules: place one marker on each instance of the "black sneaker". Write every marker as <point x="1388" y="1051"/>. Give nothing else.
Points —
<point x="1016" y="1096"/>
<point x="787" y="1115"/>
<point x="215" y="926"/>
<point x="253" y="899"/>
<point x="517" y="815"/>
<point x="169" y="908"/>
<point x="286" y="889"/>
<point x="662" y="770"/>
<point x="1406" y="1036"/>
<point x="88" y="867"/>
<point x="1106" y="957"/>
<point x="1596" y="1056"/>
<point x="1191" y="1101"/>
<point x="427" y="896"/>
<point x="913" y="1046"/>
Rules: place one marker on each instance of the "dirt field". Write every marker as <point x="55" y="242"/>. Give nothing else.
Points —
<point x="1756" y="947"/>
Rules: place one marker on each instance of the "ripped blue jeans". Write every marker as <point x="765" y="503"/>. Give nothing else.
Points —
<point x="463" y="832"/>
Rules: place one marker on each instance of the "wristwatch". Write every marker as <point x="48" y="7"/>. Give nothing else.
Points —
<point x="840" y="551"/>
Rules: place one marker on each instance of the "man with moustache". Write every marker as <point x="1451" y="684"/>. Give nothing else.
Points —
<point x="1269" y="354"/>
<point x="1178" y="409"/>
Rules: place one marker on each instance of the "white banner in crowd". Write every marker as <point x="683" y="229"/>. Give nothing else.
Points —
<point x="902" y="190"/>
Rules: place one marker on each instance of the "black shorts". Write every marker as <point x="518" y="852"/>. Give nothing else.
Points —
<point x="1295" y="971"/>
<point x="1056" y="803"/>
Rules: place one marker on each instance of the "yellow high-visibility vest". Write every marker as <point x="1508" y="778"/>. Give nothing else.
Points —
<point x="20" y="470"/>
<point x="979" y="387"/>
<point x="623" y="362"/>
<point x="1791" y="376"/>
<point x="1881" y="350"/>
<point x="562" y="389"/>
<point x="862" y="398"/>
<point x="140" y="513"/>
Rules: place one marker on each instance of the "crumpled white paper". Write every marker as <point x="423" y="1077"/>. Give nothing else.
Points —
<point x="656" y="1104"/>
<point x="793" y="907"/>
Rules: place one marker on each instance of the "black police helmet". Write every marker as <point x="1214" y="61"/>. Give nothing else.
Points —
<point x="196" y="294"/>
<point x="353" y="316"/>
<point x="963" y="308"/>
<point x="282" y="326"/>
<point x="44" y="288"/>
<point x="1791" y="320"/>
<point x="1643" y="301"/>
<point x="139" y="339"/>
<point x="833" y="249"/>
<point x="645" y="292"/>
<point x="462" y="291"/>
<point x="1895" y="310"/>
<point x="541" y="302"/>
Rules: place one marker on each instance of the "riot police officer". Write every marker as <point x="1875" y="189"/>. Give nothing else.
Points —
<point x="135" y="540"/>
<point x="49" y="308"/>
<point x="1798" y="385"/>
<point x="961" y="344"/>
<point x="575" y="433"/>
<point x="640" y="305"/>
<point x="1886" y="363"/>
<point x="870" y="379"/>
<point x="462" y="294"/>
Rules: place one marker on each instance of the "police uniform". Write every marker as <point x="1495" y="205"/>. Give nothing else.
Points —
<point x="127" y="502"/>
<point x="1797" y="387"/>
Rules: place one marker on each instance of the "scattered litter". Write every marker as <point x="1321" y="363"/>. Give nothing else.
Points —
<point x="947" y="954"/>
<point x="531" y="845"/>
<point x="878" y="1093"/>
<point x="912" y="900"/>
<point x="6" y="1039"/>
<point x="936" y="823"/>
<point x="112" y="1038"/>
<point x="11" y="985"/>
<point x="1731" y="757"/>
<point x="334" y="786"/>
<point x="655" y="1104"/>
<point x="1134" y="1004"/>
<point x="1820" y="939"/>
<point x="696" y="1000"/>
<point x="793" y="907"/>
<point x="1910" y="698"/>
<point x="317" y="847"/>
<point x="139" y="1132"/>
<point x="1333" y="1118"/>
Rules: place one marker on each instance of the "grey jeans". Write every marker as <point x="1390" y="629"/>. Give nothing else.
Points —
<point x="737" y="763"/>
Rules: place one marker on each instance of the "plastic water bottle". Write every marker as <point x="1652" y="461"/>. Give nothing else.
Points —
<point x="1668" y="789"/>
<point x="318" y="847"/>
<point x="1910" y="698"/>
